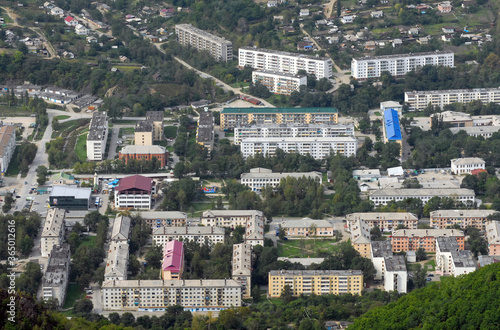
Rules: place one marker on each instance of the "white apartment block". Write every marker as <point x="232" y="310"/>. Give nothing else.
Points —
<point x="419" y="100"/>
<point x="284" y="62"/>
<point x="396" y="275"/>
<point x="121" y="228"/>
<point x="398" y="65"/>
<point x="386" y="221"/>
<point x="53" y="230"/>
<point x="7" y="146"/>
<point x="259" y="178"/>
<point x="242" y="267"/>
<point x="384" y="196"/>
<point x="156" y="295"/>
<point x="117" y="261"/>
<point x="219" y="48"/>
<point x="97" y="136"/>
<point x="291" y="130"/>
<point x="442" y="219"/>
<point x="56" y="277"/>
<point x="279" y="83"/>
<point x="200" y="235"/>
<point x="475" y="131"/>
<point x="466" y="165"/>
<point x="317" y="147"/>
<point x="450" y="260"/>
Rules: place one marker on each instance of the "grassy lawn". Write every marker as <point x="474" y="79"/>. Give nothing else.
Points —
<point x="170" y="149"/>
<point x="303" y="248"/>
<point x="13" y="169"/>
<point x="127" y="68"/>
<point x="126" y="131"/>
<point x="170" y="132"/>
<point x="229" y="134"/>
<point x="64" y="129"/>
<point x="199" y="208"/>
<point x="74" y="293"/>
<point x="62" y="117"/>
<point x="377" y="113"/>
<point x="277" y="301"/>
<point x="13" y="111"/>
<point x="240" y="84"/>
<point x="88" y="241"/>
<point x="431" y="265"/>
<point x="81" y="147"/>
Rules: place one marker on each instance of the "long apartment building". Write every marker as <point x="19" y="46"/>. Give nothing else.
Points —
<point x="291" y="130"/>
<point x="390" y="268"/>
<point x="97" y="137"/>
<point x="318" y="148"/>
<point x="384" y="196"/>
<point x="451" y="260"/>
<point x="398" y="65"/>
<point x="53" y="230"/>
<point x="200" y="235"/>
<point x="259" y="178"/>
<point x="157" y="295"/>
<point x="279" y="83"/>
<point x="158" y="219"/>
<point x="7" y="146"/>
<point x="317" y="282"/>
<point x="386" y="221"/>
<point x="360" y="238"/>
<point x="242" y="267"/>
<point x="419" y="100"/>
<point x="284" y="62"/>
<point x="442" y="219"/>
<point x="308" y="227"/>
<point x="493" y="237"/>
<point x="413" y="239"/>
<point x="117" y="261"/>
<point x="56" y="278"/>
<point x="234" y="117"/>
<point x="205" y="130"/>
<point x="219" y="48"/>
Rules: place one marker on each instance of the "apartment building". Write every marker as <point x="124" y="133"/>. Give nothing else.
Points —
<point x="242" y="268"/>
<point x="156" y="118"/>
<point x="316" y="147"/>
<point x="450" y="260"/>
<point x="117" y="261"/>
<point x="454" y="118"/>
<point x="317" y="282"/>
<point x="466" y="165"/>
<point x="146" y="152"/>
<point x="442" y="219"/>
<point x="379" y="251"/>
<point x="199" y="235"/>
<point x="234" y="117"/>
<point x="389" y="267"/>
<point x="386" y="221"/>
<point x="386" y="195"/>
<point x="219" y="48"/>
<point x="143" y="134"/>
<point x="97" y="137"/>
<point x="392" y="129"/>
<point x="413" y="239"/>
<point x="121" y="228"/>
<point x="172" y="266"/>
<point x="157" y="295"/>
<point x="398" y="65"/>
<point x="308" y="227"/>
<point x="205" y="131"/>
<point x="475" y="131"/>
<point x="53" y="230"/>
<point x="7" y="146"/>
<point x="279" y="83"/>
<point x="419" y="100"/>
<point x="56" y="277"/>
<point x="259" y="178"/>
<point x="158" y="219"/>
<point x="134" y="192"/>
<point x="284" y="62"/>
<point x="291" y="131"/>
<point x="360" y="238"/>
<point x="493" y="237"/>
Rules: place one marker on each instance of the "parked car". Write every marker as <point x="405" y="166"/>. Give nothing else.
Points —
<point x="430" y="275"/>
<point x="88" y="297"/>
<point x="429" y="279"/>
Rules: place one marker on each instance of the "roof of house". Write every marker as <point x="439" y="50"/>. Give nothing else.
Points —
<point x="162" y="215"/>
<point x="54" y="222"/>
<point x="173" y="256"/>
<point x="121" y="228"/>
<point x="307" y="223"/>
<point x="143" y="150"/>
<point x="135" y="182"/>
<point x="493" y="232"/>
<point x="392" y="127"/>
<point x="231" y="213"/>
<point x="279" y="110"/>
<point x="116" y="260"/>
<point x="462" y="213"/>
<point x="467" y="161"/>
<point x="69" y="19"/>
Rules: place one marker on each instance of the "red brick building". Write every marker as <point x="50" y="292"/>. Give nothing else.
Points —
<point x="144" y="153"/>
<point x="413" y="239"/>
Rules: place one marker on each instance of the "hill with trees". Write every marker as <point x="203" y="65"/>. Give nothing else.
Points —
<point x="466" y="302"/>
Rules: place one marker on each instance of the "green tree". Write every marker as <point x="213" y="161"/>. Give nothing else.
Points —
<point x="154" y="256"/>
<point x="419" y="276"/>
<point x="83" y="307"/>
<point x="42" y="173"/>
<point x="421" y="254"/>
<point x="287" y="294"/>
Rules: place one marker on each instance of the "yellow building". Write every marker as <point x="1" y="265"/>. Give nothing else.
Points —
<point x="319" y="282"/>
<point x="156" y="117"/>
<point x="360" y="238"/>
<point x="143" y="133"/>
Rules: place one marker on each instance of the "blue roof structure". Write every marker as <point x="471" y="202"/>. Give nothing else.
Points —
<point x="392" y="127"/>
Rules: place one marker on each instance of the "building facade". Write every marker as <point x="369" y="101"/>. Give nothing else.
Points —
<point x="307" y="227"/>
<point x="219" y="48"/>
<point x="413" y="239"/>
<point x="419" y="100"/>
<point x="98" y="136"/>
<point x="67" y="197"/>
<point x="398" y="65"/>
<point x="443" y="219"/>
<point x="158" y="219"/>
<point x="7" y="146"/>
<point x="56" y="278"/>
<point x="284" y="62"/>
<point x="291" y="130"/>
<point x="205" y="130"/>
<point x="279" y="83"/>
<point x="493" y="237"/>
<point x="360" y="238"/>
<point x="53" y="230"/>
<point x="259" y="178"/>
<point x="318" y="148"/>
<point x="466" y="165"/>
<point x="200" y="235"/>
<point x="143" y="134"/>
<point x="317" y="282"/>
<point x="384" y="196"/>
<point x="156" y="118"/>
<point x="242" y="267"/>
<point x="386" y="221"/>
<point x="134" y="192"/>
<point x="146" y="152"/>
<point x="450" y="260"/>
<point x="121" y="228"/>
<point x="233" y="117"/>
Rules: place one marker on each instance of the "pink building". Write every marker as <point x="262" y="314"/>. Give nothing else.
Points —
<point x="173" y="261"/>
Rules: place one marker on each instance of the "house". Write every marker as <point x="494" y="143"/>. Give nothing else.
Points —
<point x="304" y="45"/>
<point x="272" y="3"/>
<point x="304" y="12"/>
<point x="413" y="31"/>
<point x="307" y="227"/>
<point x="91" y="40"/>
<point x="347" y="19"/>
<point x="447" y="37"/>
<point x="167" y="12"/>
<point x="70" y="21"/>
<point x="422" y="8"/>
<point x="397" y="43"/>
<point x="366" y="175"/>
<point x="69" y="55"/>
<point x="448" y="29"/>
<point x="56" y="11"/>
<point x="53" y="231"/>
<point x="81" y="30"/>
<point x="423" y="40"/>
<point x="466" y="165"/>
<point x="444" y="7"/>
<point x="377" y="14"/>
<point x="123" y="59"/>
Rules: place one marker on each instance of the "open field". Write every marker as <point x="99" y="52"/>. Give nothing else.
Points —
<point x="303" y="248"/>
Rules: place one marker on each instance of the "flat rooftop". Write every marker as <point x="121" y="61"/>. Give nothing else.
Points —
<point x="307" y="223"/>
<point x="131" y="284"/>
<point x="188" y="230"/>
<point x="462" y="213"/>
<point x="428" y="233"/>
<point x="282" y="53"/>
<point x="315" y="272"/>
<point x="422" y="192"/>
<point x="382" y="57"/>
<point x="455" y="91"/>
<point x="144" y="126"/>
<point x="381" y="216"/>
<point x="205" y="34"/>
<point x="155" y="115"/>
<point x="253" y="175"/>
<point x="278" y="110"/>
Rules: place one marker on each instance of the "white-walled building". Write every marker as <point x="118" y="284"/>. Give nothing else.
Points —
<point x="279" y="83"/>
<point x="398" y="65"/>
<point x="384" y="196"/>
<point x="466" y="165"/>
<point x="259" y="178"/>
<point x="291" y="130"/>
<point x="97" y="137"/>
<point x="389" y="267"/>
<point x="386" y="221"/>
<point x="284" y="62"/>
<point x="56" y="278"/>
<point x="200" y="235"/>
<point x="419" y="100"/>
<point x="53" y="230"/>
<point x="220" y="48"/>
<point x="7" y="146"/>
<point x="134" y="192"/>
<point x="317" y="147"/>
<point x="81" y="30"/>
<point x="121" y="228"/>
<point x="117" y="261"/>
<point x="450" y="260"/>
<point x="242" y="267"/>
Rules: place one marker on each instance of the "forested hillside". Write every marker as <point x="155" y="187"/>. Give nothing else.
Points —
<point x="469" y="302"/>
